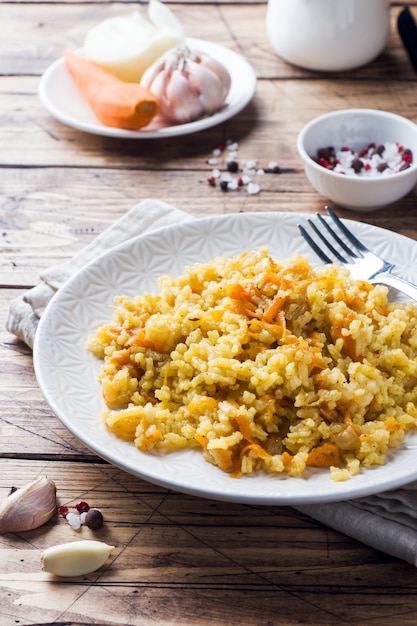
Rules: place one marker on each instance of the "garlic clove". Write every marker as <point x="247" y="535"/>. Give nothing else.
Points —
<point x="29" y="507"/>
<point x="158" y="82"/>
<point x="207" y="85"/>
<point x="181" y="102"/>
<point x="219" y="69"/>
<point x="75" y="558"/>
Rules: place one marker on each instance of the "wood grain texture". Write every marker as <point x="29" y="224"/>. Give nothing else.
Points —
<point x="41" y="35"/>
<point x="175" y="552"/>
<point x="107" y="176"/>
<point x="179" y="560"/>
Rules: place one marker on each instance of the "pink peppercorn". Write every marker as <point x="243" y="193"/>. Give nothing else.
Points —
<point x="324" y="162"/>
<point x="367" y="166"/>
<point x="407" y="156"/>
<point x="211" y="181"/>
<point x="63" y="510"/>
<point x="82" y="507"/>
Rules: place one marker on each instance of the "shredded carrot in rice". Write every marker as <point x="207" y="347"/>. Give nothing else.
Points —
<point x="264" y="366"/>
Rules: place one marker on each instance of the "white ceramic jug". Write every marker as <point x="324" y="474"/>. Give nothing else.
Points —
<point x="328" y="35"/>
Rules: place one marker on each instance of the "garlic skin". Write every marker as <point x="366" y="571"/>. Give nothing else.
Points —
<point x="75" y="558"/>
<point x="29" y="507"/>
<point x="188" y="84"/>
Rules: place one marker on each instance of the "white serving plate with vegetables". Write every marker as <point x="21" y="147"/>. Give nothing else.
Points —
<point x="63" y="100"/>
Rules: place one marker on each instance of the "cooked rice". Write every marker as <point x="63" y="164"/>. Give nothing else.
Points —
<point x="262" y="365"/>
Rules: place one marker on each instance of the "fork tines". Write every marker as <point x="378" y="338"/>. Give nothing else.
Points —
<point x="339" y="252"/>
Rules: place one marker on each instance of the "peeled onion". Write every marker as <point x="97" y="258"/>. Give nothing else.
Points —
<point x="126" y="45"/>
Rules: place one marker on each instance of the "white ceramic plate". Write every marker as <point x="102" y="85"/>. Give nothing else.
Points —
<point x="67" y="372"/>
<point x="62" y="99"/>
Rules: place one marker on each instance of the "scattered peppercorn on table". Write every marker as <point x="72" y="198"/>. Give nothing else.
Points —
<point x="171" y="558"/>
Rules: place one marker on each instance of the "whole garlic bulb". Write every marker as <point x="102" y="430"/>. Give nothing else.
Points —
<point x="188" y="84"/>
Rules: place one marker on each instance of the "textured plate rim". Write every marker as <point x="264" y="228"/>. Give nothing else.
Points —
<point x="335" y="491"/>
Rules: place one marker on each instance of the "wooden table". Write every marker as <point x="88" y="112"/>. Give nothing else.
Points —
<point x="180" y="560"/>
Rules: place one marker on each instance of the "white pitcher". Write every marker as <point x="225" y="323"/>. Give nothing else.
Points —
<point x="328" y="35"/>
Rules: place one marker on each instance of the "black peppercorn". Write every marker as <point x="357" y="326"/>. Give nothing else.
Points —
<point x="94" y="519"/>
<point x="357" y="165"/>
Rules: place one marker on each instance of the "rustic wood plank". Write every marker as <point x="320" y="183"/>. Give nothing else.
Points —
<point x="277" y="565"/>
<point x="35" y="35"/>
<point x="28" y="427"/>
<point x="179" y="559"/>
<point x="46" y="206"/>
<point x="42" y="36"/>
<point x="266" y="129"/>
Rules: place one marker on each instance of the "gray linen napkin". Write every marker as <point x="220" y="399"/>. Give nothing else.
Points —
<point x="387" y="521"/>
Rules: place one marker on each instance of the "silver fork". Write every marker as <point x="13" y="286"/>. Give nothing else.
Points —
<point x="345" y="248"/>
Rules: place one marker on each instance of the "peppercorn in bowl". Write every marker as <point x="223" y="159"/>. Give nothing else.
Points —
<point x="361" y="159"/>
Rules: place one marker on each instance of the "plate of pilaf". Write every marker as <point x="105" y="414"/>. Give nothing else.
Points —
<point x="218" y="358"/>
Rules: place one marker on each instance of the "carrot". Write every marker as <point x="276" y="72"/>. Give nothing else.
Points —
<point x="392" y="425"/>
<point x="201" y="439"/>
<point x="114" y="102"/>
<point x="224" y="459"/>
<point x="149" y="442"/>
<point x="238" y="292"/>
<point x="244" y="427"/>
<point x="244" y="308"/>
<point x="260" y="452"/>
<point x="120" y="358"/>
<point x="202" y="404"/>
<point x="269" y="279"/>
<point x="382" y="310"/>
<point x="274" y="308"/>
<point x="139" y="339"/>
<point x="237" y="465"/>
<point x="349" y="343"/>
<point x="286" y="459"/>
<point x="324" y="456"/>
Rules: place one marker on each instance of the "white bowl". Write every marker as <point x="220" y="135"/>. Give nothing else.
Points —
<point x="356" y="128"/>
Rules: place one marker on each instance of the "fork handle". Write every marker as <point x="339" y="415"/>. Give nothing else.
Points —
<point x="398" y="283"/>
